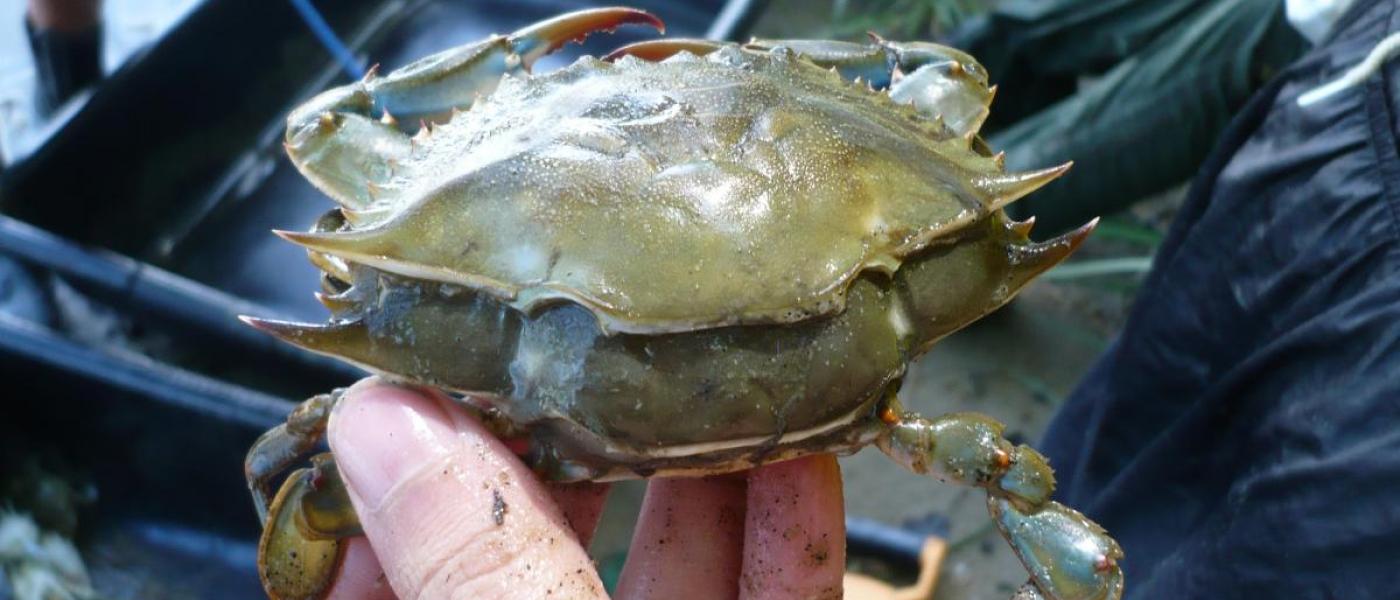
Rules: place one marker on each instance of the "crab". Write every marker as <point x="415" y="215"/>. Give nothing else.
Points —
<point x="683" y="259"/>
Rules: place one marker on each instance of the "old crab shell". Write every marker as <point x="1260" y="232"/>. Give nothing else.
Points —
<point x="687" y="258"/>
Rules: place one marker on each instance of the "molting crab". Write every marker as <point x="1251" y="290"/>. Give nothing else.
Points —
<point x="682" y="259"/>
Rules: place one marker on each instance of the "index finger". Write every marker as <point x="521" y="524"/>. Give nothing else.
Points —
<point x="795" y="530"/>
<point x="448" y="509"/>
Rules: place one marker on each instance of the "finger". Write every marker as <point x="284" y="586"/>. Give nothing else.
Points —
<point x="688" y="542"/>
<point x="361" y="577"/>
<point x="449" y="511"/>
<point x="795" y="531"/>
<point x="582" y="504"/>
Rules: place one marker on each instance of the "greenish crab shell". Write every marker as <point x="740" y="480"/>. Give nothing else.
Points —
<point x="695" y="265"/>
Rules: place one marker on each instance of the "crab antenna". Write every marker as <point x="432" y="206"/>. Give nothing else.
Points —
<point x="1004" y="188"/>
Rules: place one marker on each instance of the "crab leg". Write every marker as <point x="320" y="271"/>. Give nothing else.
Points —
<point x="1068" y="556"/>
<point x="940" y="82"/>
<point x="453" y="78"/>
<point x="860" y="62"/>
<point x="857" y="62"/>
<point x="347" y="141"/>
<point x="300" y="549"/>
<point x="284" y="445"/>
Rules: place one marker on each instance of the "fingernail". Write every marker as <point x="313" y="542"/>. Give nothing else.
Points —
<point x="381" y="434"/>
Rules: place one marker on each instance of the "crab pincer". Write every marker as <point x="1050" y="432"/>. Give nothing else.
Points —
<point x="1068" y="556"/>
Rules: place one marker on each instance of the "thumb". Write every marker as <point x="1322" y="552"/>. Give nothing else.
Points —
<point x="449" y="511"/>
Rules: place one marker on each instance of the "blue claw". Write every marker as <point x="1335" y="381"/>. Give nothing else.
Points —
<point x="453" y="78"/>
<point x="1068" y="556"/>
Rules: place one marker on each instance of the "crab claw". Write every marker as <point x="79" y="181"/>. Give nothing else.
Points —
<point x="1068" y="556"/>
<point x="659" y="50"/>
<point x="293" y="563"/>
<point x="453" y="78"/>
<point x="950" y="90"/>
<point x="912" y="56"/>
<point x="347" y="141"/>
<point x="545" y="37"/>
<point x="863" y="62"/>
<point x="942" y="83"/>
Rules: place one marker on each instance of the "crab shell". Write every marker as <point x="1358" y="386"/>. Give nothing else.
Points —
<point x="679" y="267"/>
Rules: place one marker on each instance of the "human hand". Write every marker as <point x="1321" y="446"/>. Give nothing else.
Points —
<point x="450" y="512"/>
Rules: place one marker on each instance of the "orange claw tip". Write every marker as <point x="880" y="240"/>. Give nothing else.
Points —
<point x="659" y="50"/>
<point x="1077" y="237"/>
<point x="1001" y="458"/>
<point x="1104" y="563"/>
<point x="1066" y="244"/>
<point x="622" y="15"/>
<point x="549" y="35"/>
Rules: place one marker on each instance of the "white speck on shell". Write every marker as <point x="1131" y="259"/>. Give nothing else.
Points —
<point x="899" y="320"/>
<point x="527" y="262"/>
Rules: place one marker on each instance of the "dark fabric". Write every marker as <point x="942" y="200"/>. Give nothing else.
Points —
<point x="1038" y="50"/>
<point x="1241" y="438"/>
<point x="1145" y="125"/>
<point x="1135" y="92"/>
<point x="64" y="62"/>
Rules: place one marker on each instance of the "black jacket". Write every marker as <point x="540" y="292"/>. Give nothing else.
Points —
<point x="1241" y="438"/>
